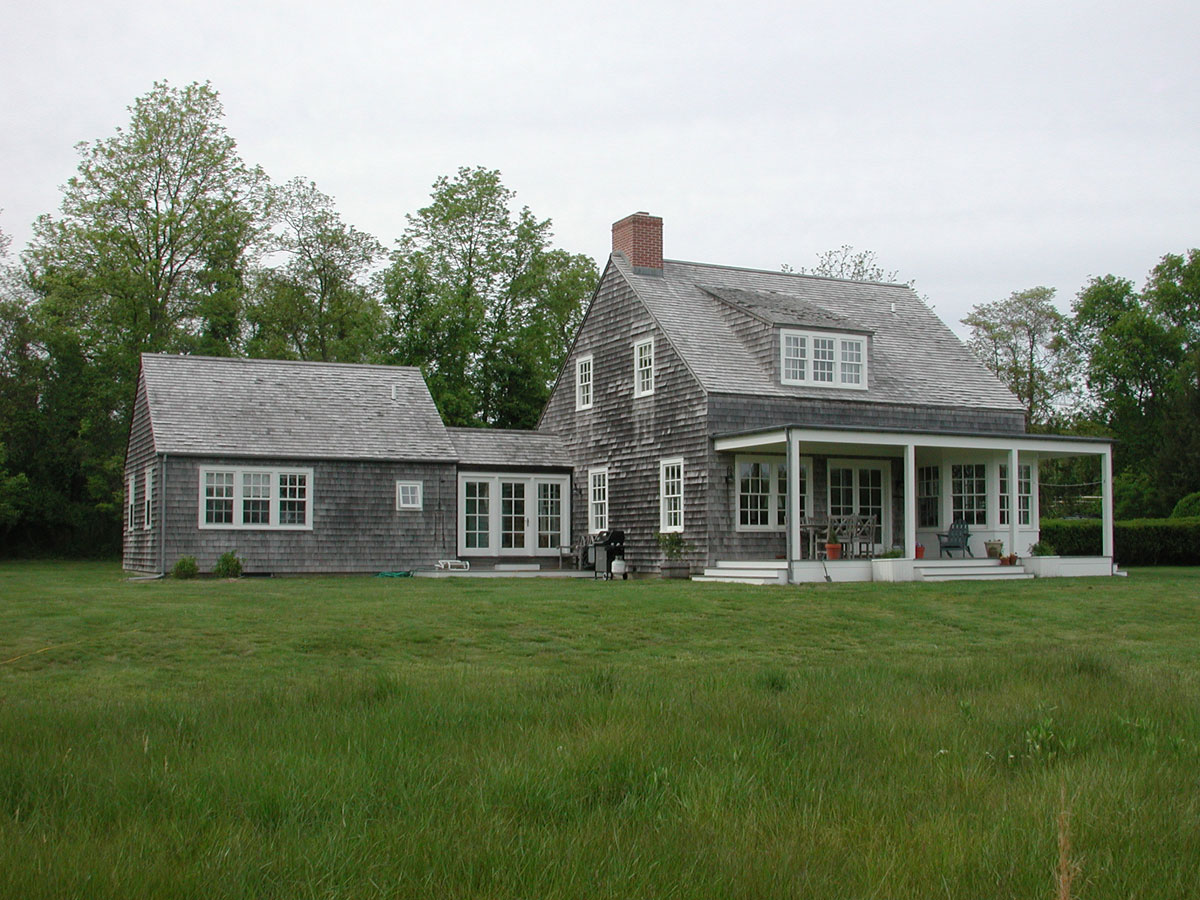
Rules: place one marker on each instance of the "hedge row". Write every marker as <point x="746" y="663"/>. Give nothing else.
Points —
<point x="1137" y="542"/>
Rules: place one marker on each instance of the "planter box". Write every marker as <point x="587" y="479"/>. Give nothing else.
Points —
<point x="892" y="570"/>
<point x="675" y="568"/>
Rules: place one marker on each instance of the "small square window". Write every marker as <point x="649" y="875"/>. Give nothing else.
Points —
<point x="408" y="495"/>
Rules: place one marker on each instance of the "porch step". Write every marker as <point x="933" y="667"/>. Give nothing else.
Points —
<point x="746" y="572"/>
<point x="968" y="570"/>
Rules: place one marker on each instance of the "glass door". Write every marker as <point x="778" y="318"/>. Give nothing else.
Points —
<point x="513" y="521"/>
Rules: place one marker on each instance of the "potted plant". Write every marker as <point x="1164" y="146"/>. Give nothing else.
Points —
<point x="673" y="546"/>
<point x="995" y="549"/>
<point x="1010" y="560"/>
<point x="920" y="551"/>
<point x="833" y="547"/>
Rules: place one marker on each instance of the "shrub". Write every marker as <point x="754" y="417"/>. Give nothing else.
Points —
<point x="1188" y="507"/>
<point x="672" y="544"/>
<point x="1043" y="548"/>
<point x="1137" y="542"/>
<point x="228" y="566"/>
<point x="186" y="567"/>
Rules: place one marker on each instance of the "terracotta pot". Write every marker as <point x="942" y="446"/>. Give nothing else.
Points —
<point x="833" y="551"/>
<point x="920" y="551"/>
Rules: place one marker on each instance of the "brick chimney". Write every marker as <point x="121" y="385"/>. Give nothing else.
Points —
<point x="639" y="237"/>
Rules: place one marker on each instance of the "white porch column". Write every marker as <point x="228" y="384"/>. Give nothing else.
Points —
<point x="910" y="501"/>
<point x="1013" y="513"/>
<point x="793" y="500"/>
<point x="1106" y="502"/>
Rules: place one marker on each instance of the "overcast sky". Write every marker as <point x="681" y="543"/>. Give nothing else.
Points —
<point x="977" y="148"/>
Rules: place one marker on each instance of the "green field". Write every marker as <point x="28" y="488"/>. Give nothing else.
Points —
<point x="360" y="737"/>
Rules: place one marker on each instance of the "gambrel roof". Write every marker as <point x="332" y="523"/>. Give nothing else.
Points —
<point x="211" y="406"/>
<point x="914" y="357"/>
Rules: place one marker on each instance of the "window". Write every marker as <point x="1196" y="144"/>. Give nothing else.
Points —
<point x="929" y="496"/>
<point x="130" y="502"/>
<point x="643" y="368"/>
<point x="762" y="486"/>
<point x="598" y="500"/>
<point x="1024" y="494"/>
<point x="148" y="500"/>
<point x="583" y="382"/>
<point x="825" y="360"/>
<point x="256" y="498"/>
<point x="968" y="493"/>
<point x="477" y="498"/>
<point x="408" y="495"/>
<point x="670" y="495"/>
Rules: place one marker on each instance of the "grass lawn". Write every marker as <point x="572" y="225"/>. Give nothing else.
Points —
<point x="360" y="737"/>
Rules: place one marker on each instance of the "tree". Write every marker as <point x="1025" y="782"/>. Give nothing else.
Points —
<point x="478" y="299"/>
<point x="318" y="304"/>
<point x="1019" y="340"/>
<point x="157" y="222"/>
<point x="849" y="264"/>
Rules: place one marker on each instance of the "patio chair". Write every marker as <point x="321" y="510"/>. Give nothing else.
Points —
<point x="864" y="536"/>
<point x="957" y="538"/>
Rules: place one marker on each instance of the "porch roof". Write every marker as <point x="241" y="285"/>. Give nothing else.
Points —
<point x="835" y="439"/>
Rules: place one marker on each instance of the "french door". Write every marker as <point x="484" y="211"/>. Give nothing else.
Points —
<point x="861" y="489"/>
<point x="512" y="515"/>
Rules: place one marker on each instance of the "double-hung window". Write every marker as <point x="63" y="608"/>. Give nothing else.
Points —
<point x="130" y="502"/>
<point x="929" y="496"/>
<point x="254" y="498"/>
<point x="670" y="495"/>
<point x="968" y="493"/>
<point x="822" y="359"/>
<point x="583" y="382"/>
<point x="643" y="368"/>
<point x="1024" y="494"/>
<point x="597" y="500"/>
<point x="148" y="500"/>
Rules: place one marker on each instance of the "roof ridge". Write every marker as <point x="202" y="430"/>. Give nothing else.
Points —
<point x="280" y="362"/>
<point x="704" y="265"/>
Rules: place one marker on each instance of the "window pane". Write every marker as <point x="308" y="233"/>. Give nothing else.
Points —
<point x="218" y="498"/>
<point x="478" y="515"/>
<point x="795" y="357"/>
<point x="822" y="365"/>
<point x="851" y="362"/>
<point x="968" y="493"/>
<point x="293" y="499"/>
<point x="256" y="498"/>
<point x="549" y="513"/>
<point x="929" y="496"/>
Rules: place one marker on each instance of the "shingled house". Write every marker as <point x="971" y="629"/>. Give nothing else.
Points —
<point x="325" y="467"/>
<point x="734" y="406"/>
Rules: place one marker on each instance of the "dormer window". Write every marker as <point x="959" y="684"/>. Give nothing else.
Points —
<point x="822" y="359"/>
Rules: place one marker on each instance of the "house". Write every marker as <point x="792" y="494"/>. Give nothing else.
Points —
<point x="734" y="406"/>
<point x="326" y="467"/>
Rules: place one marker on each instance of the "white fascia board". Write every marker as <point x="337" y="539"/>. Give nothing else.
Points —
<point x="746" y="441"/>
<point x="895" y="439"/>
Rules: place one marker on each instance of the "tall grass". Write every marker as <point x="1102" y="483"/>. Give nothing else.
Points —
<point x="371" y="738"/>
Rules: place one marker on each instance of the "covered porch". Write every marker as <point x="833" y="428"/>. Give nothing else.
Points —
<point x="792" y="482"/>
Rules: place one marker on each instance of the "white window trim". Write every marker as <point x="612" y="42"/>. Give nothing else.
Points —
<point x="638" y="371"/>
<point x="238" y="510"/>
<point x="131" y="503"/>
<point x="663" y="465"/>
<point x="838" y="339"/>
<point x="773" y="505"/>
<point x="495" y="547"/>
<point x="580" y="364"/>
<point x="419" y="504"/>
<point x="591" y="518"/>
<point x="148" y="499"/>
<point x="1002" y="495"/>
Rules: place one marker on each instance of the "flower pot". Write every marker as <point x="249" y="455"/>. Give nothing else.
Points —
<point x="994" y="549"/>
<point x="920" y="552"/>
<point x="675" y="568"/>
<point x="833" y="551"/>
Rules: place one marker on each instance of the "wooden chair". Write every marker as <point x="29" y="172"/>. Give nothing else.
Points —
<point x="957" y="538"/>
<point x="864" y="537"/>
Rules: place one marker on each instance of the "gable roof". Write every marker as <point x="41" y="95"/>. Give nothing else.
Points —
<point x="508" y="448"/>
<point x="915" y="357"/>
<point x="214" y="406"/>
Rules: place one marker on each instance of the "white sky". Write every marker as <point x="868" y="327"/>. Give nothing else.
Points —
<point x="978" y="148"/>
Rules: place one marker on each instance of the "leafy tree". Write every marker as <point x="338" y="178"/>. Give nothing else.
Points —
<point x="477" y="298"/>
<point x="318" y="304"/>
<point x="1173" y="293"/>
<point x="1019" y="340"/>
